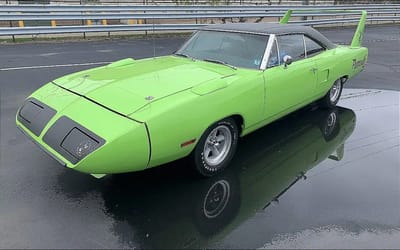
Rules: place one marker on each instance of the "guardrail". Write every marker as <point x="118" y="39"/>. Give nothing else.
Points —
<point x="313" y="15"/>
<point x="200" y="2"/>
<point x="162" y="8"/>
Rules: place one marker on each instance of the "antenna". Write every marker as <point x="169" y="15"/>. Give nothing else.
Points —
<point x="154" y="41"/>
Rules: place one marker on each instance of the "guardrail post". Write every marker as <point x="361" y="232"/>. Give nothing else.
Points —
<point x="88" y="23"/>
<point x="13" y="36"/>
<point x="21" y="25"/>
<point x="104" y="22"/>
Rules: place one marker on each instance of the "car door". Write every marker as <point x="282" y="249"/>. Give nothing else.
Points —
<point x="287" y="87"/>
<point x="322" y="61"/>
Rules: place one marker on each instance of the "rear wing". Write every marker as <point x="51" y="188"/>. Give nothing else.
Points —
<point x="359" y="34"/>
<point x="356" y="42"/>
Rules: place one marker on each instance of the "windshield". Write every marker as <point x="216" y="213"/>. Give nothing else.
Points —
<point x="231" y="48"/>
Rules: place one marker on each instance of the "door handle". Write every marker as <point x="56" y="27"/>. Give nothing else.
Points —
<point x="313" y="70"/>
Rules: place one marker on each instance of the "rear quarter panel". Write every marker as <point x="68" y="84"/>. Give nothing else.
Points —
<point x="342" y="61"/>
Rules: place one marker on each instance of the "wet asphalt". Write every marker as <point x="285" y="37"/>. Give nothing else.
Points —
<point x="302" y="182"/>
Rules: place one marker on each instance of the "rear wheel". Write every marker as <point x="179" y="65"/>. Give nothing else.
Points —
<point x="332" y="97"/>
<point x="330" y="125"/>
<point x="216" y="147"/>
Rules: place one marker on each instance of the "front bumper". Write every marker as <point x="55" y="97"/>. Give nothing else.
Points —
<point x="41" y="147"/>
<point x="82" y="135"/>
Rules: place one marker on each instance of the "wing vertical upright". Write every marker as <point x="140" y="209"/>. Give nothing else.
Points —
<point x="286" y="17"/>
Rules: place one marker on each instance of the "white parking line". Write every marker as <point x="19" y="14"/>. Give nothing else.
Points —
<point x="53" y="66"/>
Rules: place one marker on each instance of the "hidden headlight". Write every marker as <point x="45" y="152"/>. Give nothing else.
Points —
<point x="79" y="144"/>
<point x="34" y="115"/>
<point x="72" y="140"/>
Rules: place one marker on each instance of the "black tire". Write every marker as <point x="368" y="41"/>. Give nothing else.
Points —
<point x="217" y="204"/>
<point x="330" y="125"/>
<point x="327" y="101"/>
<point x="203" y="164"/>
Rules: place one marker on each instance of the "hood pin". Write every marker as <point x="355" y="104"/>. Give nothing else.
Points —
<point x="149" y="98"/>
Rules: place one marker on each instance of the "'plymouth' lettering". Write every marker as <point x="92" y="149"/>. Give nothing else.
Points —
<point x="359" y="63"/>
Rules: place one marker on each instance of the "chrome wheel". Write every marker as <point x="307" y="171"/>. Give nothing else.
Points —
<point x="217" y="145"/>
<point x="335" y="91"/>
<point x="330" y="123"/>
<point x="216" y="199"/>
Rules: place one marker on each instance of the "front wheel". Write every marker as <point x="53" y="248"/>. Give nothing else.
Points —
<point x="332" y="97"/>
<point x="216" y="147"/>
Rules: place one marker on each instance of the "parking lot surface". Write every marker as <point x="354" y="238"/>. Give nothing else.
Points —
<point x="291" y="184"/>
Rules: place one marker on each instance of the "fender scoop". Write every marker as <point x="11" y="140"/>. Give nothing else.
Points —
<point x="209" y="87"/>
<point x="120" y="63"/>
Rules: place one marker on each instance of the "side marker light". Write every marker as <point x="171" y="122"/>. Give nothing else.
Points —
<point x="187" y="143"/>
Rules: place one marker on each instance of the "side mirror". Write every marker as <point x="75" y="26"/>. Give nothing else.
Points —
<point x="287" y="60"/>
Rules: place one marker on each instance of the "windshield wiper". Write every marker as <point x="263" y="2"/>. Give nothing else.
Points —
<point x="182" y="55"/>
<point x="185" y="56"/>
<point x="219" y="62"/>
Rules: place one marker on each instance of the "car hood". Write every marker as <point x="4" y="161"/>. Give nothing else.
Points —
<point x="127" y="85"/>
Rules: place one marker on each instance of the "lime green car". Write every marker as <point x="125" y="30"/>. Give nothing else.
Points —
<point x="224" y="82"/>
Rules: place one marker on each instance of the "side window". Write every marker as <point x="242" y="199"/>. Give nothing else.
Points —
<point x="292" y="45"/>
<point x="273" y="57"/>
<point x="312" y="48"/>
